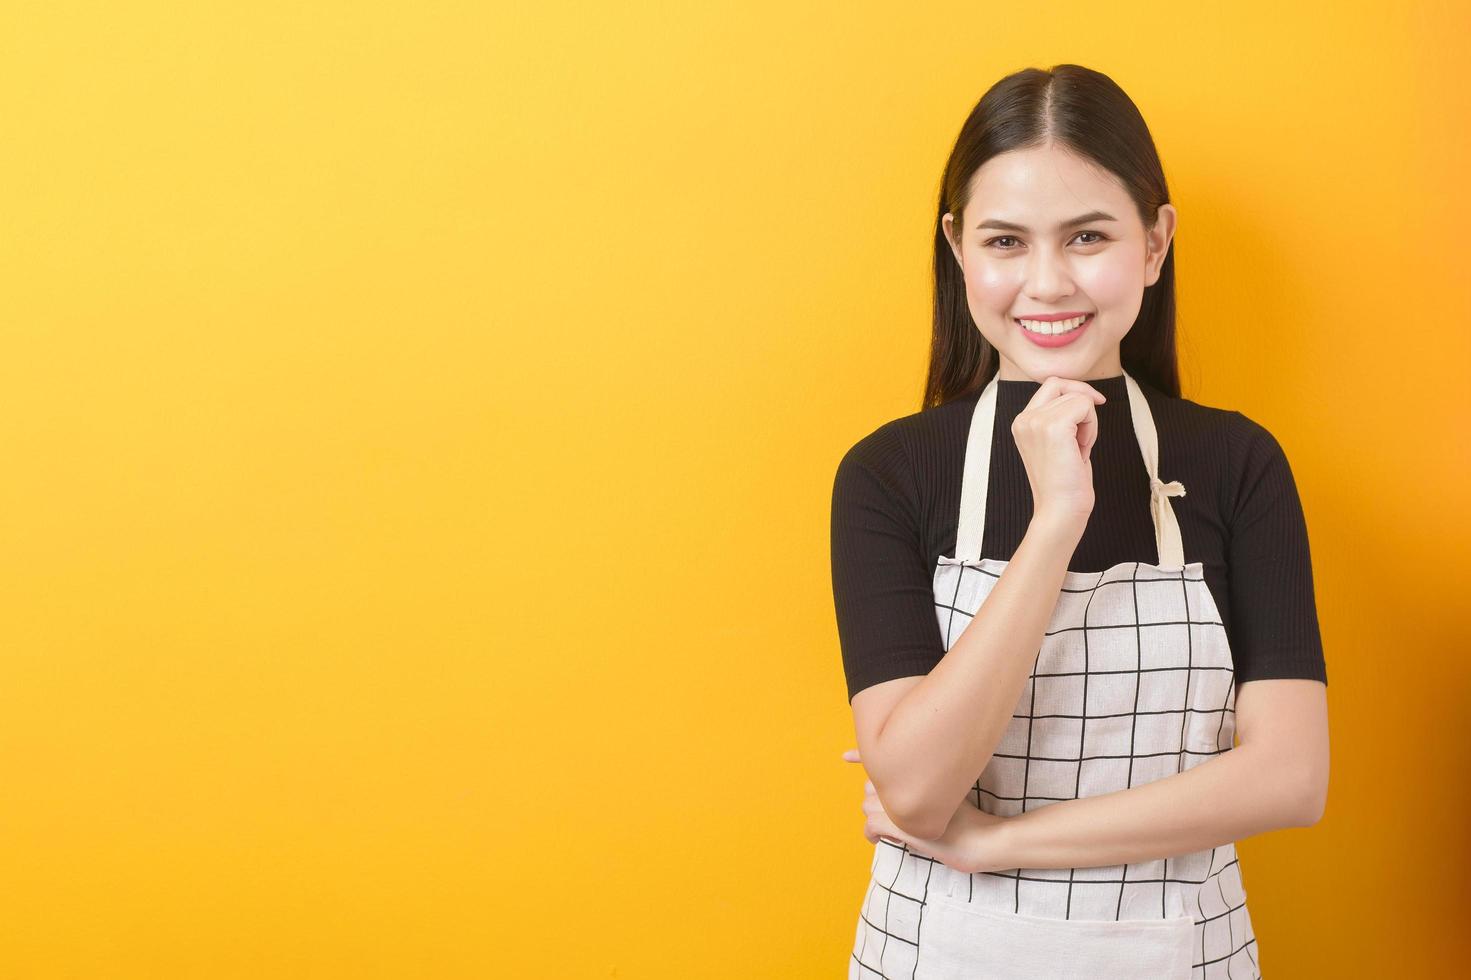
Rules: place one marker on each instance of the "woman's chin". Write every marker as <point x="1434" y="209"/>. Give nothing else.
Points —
<point x="1060" y="363"/>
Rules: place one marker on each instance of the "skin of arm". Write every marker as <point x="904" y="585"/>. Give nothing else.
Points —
<point x="1276" y="777"/>
<point x="923" y="739"/>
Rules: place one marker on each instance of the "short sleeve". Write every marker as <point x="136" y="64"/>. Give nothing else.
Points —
<point x="883" y="593"/>
<point x="1274" y="618"/>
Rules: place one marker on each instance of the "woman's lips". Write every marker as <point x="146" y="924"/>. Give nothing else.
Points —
<point x="1057" y="339"/>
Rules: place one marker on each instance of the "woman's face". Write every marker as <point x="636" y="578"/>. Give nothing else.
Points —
<point x="1024" y="255"/>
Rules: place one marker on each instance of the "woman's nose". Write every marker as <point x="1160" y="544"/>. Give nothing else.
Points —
<point x="1047" y="276"/>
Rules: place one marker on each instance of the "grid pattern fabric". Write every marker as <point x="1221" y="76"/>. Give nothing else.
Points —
<point x="1133" y="682"/>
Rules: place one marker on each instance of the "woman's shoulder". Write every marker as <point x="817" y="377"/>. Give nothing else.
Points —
<point x="900" y="463"/>
<point x="1186" y="416"/>
<point x="919" y="438"/>
<point x="1240" y="451"/>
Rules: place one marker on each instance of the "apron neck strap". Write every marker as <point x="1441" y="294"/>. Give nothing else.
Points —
<point x="976" y="478"/>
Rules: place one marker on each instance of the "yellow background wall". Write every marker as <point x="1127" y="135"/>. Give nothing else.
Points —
<point x="418" y="431"/>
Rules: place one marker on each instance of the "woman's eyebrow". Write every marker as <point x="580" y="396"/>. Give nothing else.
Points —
<point x="1082" y="219"/>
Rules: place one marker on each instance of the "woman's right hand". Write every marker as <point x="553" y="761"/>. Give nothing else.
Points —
<point x="1055" y="435"/>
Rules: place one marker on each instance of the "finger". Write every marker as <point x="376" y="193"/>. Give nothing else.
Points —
<point x="1079" y="387"/>
<point x="868" y="787"/>
<point x="1053" y="387"/>
<point x="1069" y="406"/>
<point x="1088" y="431"/>
<point x="884" y="827"/>
<point x="1071" y="410"/>
<point x="1044" y="394"/>
<point x="879" y="825"/>
<point x="852" y="756"/>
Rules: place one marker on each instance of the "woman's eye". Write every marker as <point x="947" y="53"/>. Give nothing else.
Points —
<point x="1008" y="238"/>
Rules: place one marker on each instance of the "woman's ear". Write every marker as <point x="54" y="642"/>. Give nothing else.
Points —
<point x="1158" y="240"/>
<point x="947" y="225"/>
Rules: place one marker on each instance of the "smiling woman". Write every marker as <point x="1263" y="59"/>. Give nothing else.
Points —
<point x="1096" y="264"/>
<point x="1064" y="591"/>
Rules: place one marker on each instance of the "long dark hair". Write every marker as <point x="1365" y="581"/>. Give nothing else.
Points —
<point x="1086" y="112"/>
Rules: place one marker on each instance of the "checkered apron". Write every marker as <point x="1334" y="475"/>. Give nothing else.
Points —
<point x="1133" y="682"/>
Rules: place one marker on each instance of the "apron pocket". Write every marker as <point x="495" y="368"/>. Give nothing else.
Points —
<point x="960" y="940"/>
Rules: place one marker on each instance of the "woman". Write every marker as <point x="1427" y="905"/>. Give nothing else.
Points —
<point x="1120" y="578"/>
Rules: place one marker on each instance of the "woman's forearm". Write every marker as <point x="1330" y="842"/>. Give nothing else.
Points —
<point x="1239" y="793"/>
<point x="941" y="735"/>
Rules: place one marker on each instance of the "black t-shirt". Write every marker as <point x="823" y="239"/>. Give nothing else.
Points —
<point x="896" y="501"/>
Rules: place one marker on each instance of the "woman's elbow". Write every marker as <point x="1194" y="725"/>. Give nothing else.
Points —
<point x="1312" y="799"/>
<point x="920" y="819"/>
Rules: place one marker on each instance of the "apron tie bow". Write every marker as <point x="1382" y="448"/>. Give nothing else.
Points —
<point x="1172" y="489"/>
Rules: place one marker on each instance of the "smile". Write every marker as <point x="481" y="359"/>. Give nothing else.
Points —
<point x="1052" y="328"/>
<point x="1055" y="333"/>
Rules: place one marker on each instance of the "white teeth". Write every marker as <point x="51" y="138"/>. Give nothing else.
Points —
<point x="1055" y="327"/>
